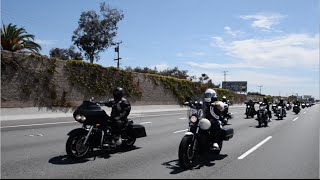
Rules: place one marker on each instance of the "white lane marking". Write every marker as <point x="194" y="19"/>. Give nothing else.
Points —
<point x="182" y="118"/>
<point x="145" y="122"/>
<point x="181" y="131"/>
<point x="254" y="148"/>
<point x="26" y="125"/>
<point x="295" y="119"/>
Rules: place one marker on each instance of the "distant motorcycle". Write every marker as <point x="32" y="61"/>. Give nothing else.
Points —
<point x="226" y="115"/>
<point x="303" y="105"/>
<point x="274" y="107"/>
<point x="83" y="140"/>
<point x="198" y="138"/>
<point x="250" y="111"/>
<point x="288" y="106"/>
<point x="263" y="115"/>
<point x="296" y="109"/>
<point x="280" y="112"/>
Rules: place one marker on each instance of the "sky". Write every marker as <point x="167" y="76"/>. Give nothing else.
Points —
<point x="268" y="43"/>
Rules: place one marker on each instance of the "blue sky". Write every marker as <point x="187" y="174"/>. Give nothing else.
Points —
<point x="265" y="42"/>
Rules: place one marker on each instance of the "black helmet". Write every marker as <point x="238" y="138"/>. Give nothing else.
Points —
<point x="118" y="93"/>
<point x="281" y="99"/>
<point x="264" y="99"/>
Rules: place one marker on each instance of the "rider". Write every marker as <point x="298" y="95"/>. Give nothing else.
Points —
<point x="283" y="105"/>
<point x="226" y="102"/>
<point x="265" y="102"/>
<point x="297" y="102"/>
<point x="251" y="104"/>
<point x="120" y="110"/>
<point x="214" y="114"/>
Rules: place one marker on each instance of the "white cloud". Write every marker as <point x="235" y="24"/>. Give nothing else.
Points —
<point x="291" y="50"/>
<point x="264" y="21"/>
<point x="229" y="31"/>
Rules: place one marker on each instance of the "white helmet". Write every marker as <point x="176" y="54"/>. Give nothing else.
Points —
<point x="209" y="94"/>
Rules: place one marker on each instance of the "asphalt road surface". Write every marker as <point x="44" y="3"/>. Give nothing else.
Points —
<point x="288" y="148"/>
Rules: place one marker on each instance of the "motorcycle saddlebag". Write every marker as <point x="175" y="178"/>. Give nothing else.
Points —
<point x="227" y="133"/>
<point x="139" y="131"/>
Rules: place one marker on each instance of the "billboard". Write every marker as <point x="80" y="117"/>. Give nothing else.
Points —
<point x="236" y="86"/>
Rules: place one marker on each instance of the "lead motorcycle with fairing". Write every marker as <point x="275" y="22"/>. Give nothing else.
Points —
<point x="83" y="140"/>
<point x="198" y="138"/>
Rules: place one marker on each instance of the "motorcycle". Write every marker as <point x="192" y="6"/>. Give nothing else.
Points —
<point x="303" y="105"/>
<point x="274" y="107"/>
<point x="280" y="112"/>
<point x="308" y="105"/>
<point x="226" y="115"/>
<point x="81" y="141"/>
<point x="263" y="115"/>
<point x="288" y="106"/>
<point x="250" y="111"/>
<point x="198" y="138"/>
<point x="296" y="109"/>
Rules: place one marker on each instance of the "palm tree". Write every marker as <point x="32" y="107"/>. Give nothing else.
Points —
<point x="17" y="39"/>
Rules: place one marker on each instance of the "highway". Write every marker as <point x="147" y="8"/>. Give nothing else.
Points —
<point x="288" y="148"/>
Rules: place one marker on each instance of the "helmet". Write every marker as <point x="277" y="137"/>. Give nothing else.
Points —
<point x="210" y="95"/>
<point x="224" y="98"/>
<point x="264" y="99"/>
<point x="281" y="99"/>
<point x="118" y="93"/>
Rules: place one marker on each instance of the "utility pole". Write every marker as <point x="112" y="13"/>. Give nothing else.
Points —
<point x="116" y="49"/>
<point x="260" y="88"/>
<point x="224" y="74"/>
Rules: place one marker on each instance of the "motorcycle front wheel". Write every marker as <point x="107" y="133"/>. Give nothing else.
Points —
<point x="75" y="148"/>
<point x="186" y="153"/>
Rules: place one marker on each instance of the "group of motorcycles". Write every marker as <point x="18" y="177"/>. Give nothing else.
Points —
<point x="196" y="140"/>
<point x="262" y="112"/>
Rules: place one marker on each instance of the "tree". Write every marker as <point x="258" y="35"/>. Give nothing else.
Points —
<point x="65" y="54"/>
<point x="95" y="32"/>
<point x="59" y="53"/>
<point x="175" y="72"/>
<point x="16" y="39"/>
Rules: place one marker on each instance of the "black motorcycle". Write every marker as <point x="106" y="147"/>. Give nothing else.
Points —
<point x="280" y="112"/>
<point x="198" y="138"/>
<point x="81" y="141"/>
<point x="226" y="115"/>
<point x="250" y="111"/>
<point x="262" y="115"/>
<point x="296" y="109"/>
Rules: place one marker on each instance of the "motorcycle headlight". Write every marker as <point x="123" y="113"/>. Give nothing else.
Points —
<point x="279" y="107"/>
<point x="261" y="107"/>
<point x="248" y="106"/>
<point x="83" y="118"/>
<point x="193" y="119"/>
<point x="78" y="117"/>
